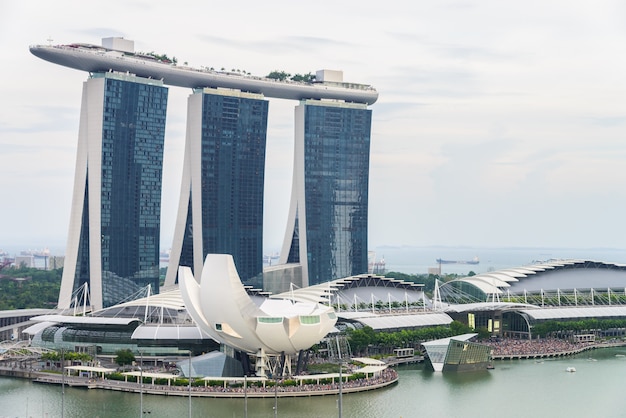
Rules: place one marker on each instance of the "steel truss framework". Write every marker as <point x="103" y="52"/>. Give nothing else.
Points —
<point x="542" y="298"/>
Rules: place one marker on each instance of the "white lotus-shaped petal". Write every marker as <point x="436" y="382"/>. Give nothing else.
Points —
<point x="222" y="308"/>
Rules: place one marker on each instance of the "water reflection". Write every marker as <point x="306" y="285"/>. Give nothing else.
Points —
<point x="467" y="378"/>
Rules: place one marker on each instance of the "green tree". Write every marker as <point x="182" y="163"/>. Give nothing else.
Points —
<point x="483" y="333"/>
<point x="306" y="78"/>
<point x="359" y="339"/>
<point x="278" y="75"/>
<point x="459" y="328"/>
<point x="124" y="357"/>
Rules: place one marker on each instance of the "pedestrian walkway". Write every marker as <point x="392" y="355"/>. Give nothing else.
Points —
<point x="387" y="377"/>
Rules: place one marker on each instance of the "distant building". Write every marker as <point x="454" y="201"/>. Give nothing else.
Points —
<point x="55" y="262"/>
<point x="13" y="322"/>
<point x="435" y="271"/>
<point x="24" y="260"/>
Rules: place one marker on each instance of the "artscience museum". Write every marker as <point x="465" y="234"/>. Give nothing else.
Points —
<point x="277" y="328"/>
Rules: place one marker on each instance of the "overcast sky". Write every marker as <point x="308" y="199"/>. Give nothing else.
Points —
<point x="499" y="123"/>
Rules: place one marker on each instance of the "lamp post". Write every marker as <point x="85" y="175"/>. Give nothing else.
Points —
<point x="189" y="380"/>
<point x="340" y="405"/>
<point x="275" y="397"/>
<point x="62" y="383"/>
<point x="141" y="384"/>
<point x="245" y="396"/>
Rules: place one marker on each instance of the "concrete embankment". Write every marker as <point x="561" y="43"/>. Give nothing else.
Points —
<point x="19" y="372"/>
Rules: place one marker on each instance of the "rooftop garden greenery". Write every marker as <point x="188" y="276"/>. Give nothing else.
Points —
<point x="283" y="76"/>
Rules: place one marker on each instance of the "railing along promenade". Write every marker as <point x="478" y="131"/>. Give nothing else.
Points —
<point x="395" y="361"/>
<point x="228" y="392"/>
<point x="563" y="353"/>
<point x="388" y="378"/>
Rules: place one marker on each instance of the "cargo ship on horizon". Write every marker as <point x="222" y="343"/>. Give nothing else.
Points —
<point x="474" y="260"/>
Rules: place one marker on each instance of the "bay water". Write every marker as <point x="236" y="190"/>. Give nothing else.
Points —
<point x="515" y="388"/>
<point x="417" y="260"/>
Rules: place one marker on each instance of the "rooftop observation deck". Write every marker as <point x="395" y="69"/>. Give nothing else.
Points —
<point x="93" y="58"/>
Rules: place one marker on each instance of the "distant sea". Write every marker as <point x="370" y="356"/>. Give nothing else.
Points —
<point x="417" y="260"/>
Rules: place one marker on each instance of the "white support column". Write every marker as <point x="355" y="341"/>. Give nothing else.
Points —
<point x="593" y="299"/>
<point x="261" y="363"/>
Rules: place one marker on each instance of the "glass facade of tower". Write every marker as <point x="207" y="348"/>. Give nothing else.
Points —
<point x="336" y="179"/>
<point x="133" y="132"/>
<point x="233" y="138"/>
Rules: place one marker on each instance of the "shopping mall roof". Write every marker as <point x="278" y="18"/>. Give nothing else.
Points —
<point x="16" y="313"/>
<point x="168" y="332"/>
<point x="487" y="306"/>
<point x="321" y="293"/>
<point x="399" y="321"/>
<point x="582" y="312"/>
<point x="549" y="275"/>
<point x="84" y="320"/>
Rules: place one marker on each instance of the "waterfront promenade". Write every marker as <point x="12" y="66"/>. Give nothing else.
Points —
<point x="502" y="350"/>
<point x="386" y="378"/>
<point x="509" y="349"/>
<point x="390" y="378"/>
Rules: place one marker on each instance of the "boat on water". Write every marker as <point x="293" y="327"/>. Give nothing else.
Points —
<point x="570" y="369"/>
<point x="474" y="260"/>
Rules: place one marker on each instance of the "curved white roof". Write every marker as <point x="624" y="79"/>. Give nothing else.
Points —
<point x="84" y="320"/>
<point x="369" y="361"/>
<point x="510" y="272"/>
<point x="517" y="279"/>
<point x="405" y="321"/>
<point x="320" y="293"/>
<point x="169" y="332"/>
<point x="576" y="312"/>
<point x="487" y="306"/>
<point x="171" y="299"/>
<point x="34" y="329"/>
<point x="501" y="276"/>
<point x="486" y="285"/>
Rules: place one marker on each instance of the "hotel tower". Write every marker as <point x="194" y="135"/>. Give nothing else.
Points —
<point x="114" y="234"/>
<point x="221" y="203"/>
<point x="327" y="225"/>
<point x="113" y="242"/>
